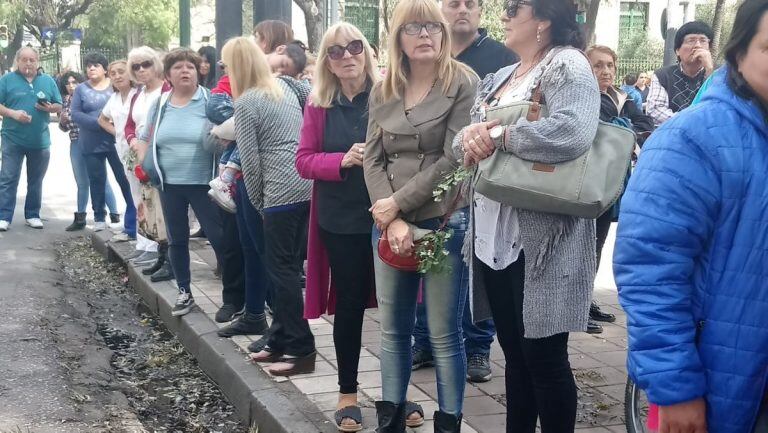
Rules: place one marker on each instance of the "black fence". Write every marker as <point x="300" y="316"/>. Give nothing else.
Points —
<point x="51" y="61"/>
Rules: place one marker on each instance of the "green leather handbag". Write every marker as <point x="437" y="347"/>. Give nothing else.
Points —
<point x="584" y="187"/>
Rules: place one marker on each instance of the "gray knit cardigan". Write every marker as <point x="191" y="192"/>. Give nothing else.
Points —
<point x="559" y="250"/>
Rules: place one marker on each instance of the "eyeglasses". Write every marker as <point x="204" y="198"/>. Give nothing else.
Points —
<point x="336" y="52"/>
<point x="145" y="64"/>
<point x="414" y="29"/>
<point x="514" y="5"/>
<point x="703" y="40"/>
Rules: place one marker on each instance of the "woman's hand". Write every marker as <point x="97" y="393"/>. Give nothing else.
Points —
<point x="140" y="147"/>
<point x="384" y="212"/>
<point x="477" y="142"/>
<point x="354" y="156"/>
<point x="400" y="237"/>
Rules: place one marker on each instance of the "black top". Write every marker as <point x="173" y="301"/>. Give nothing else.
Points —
<point x="640" y="122"/>
<point x="486" y="56"/>
<point x="342" y="207"/>
<point x="644" y="92"/>
<point x="681" y="89"/>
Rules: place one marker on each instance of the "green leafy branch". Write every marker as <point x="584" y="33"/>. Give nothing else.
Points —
<point x="432" y="253"/>
<point x="450" y="181"/>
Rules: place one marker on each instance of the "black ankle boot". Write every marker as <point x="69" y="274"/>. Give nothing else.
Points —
<point x="446" y="423"/>
<point x="165" y="273"/>
<point x="391" y="417"/>
<point x="595" y="313"/>
<point x="114" y="218"/>
<point x="78" y="223"/>
<point x="247" y="324"/>
<point x="162" y="258"/>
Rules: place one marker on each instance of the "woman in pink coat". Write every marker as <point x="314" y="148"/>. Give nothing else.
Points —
<point x="331" y="153"/>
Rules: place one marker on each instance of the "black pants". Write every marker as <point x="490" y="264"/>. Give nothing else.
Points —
<point x="538" y="377"/>
<point x="232" y="264"/>
<point x="289" y="333"/>
<point x="176" y="200"/>
<point x="602" y="227"/>
<point x="351" y="260"/>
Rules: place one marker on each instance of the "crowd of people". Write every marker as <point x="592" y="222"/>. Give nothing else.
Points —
<point x="284" y="158"/>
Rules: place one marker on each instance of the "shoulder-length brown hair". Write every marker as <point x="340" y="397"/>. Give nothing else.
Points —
<point x="326" y="85"/>
<point x="272" y="33"/>
<point x="398" y="67"/>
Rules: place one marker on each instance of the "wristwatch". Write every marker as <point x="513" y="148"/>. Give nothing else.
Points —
<point x="497" y="135"/>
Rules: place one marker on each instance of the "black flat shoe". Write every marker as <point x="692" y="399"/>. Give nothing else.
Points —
<point x="165" y="273"/>
<point x="247" y="324"/>
<point x="228" y="313"/>
<point x="594" y="328"/>
<point x="595" y="313"/>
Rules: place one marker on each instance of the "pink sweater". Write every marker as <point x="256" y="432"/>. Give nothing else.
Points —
<point x="313" y="163"/>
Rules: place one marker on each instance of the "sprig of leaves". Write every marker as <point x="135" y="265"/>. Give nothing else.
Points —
<point x="130" y="159"/>
<point x="432" y="253"/>
<point x="450" y="181"/>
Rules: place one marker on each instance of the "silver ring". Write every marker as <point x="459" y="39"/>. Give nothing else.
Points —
<point x="477" y="137"/>
<point x="396" y="249"/>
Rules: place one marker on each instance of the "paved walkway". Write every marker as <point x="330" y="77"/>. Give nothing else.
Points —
<point x="598" y="363"/>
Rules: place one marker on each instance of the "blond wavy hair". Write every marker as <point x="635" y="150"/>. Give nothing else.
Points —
<point x="142" y="54"/>
<point x="247" y="68"/>
<point x="327" y="86"/>
<point x="398" y="67"/>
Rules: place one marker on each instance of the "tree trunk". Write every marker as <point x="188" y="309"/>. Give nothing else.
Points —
<point x="589" y="28"/>
<point x="13" y="46"/>
<point x="717" y="27"/>
<point x="314" y="18"/>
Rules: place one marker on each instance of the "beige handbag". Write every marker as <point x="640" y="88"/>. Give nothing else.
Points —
<point x="584" y="187"/>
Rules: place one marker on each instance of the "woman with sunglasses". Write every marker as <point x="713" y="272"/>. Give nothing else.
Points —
<point x="533" y="272"/>
<point x="331" y="153"/>
<point x="97" y="145"/>
<point x="146" y="70"/>
<point x="67" y="84"/>
<point x="415" y="112"/>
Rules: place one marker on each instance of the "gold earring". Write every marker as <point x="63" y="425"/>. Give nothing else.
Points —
<point x="538" y="35"/>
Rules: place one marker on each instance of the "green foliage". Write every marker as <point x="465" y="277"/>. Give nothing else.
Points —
<point x="110" y="21"/>
<point x="491" y="20"/>
<point x="638" y="46"/>
<point x="450" y="181"/>
<point x="432" y="254"/>
<point x="11" y="14"/>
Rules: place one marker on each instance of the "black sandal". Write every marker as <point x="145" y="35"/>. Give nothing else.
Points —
<point x="410" y="409"/>
<point x="353" y="413"/>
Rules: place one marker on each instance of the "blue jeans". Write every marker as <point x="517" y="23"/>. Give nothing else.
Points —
<point x="176" y="201"/>
<point x="10" y="172"/>
<point x="251" y="229"/>
<point x="97" y="175"/>
<point x="478" y="337"/>
<point x="444" y="296"/>
<point x="83" y="184"/>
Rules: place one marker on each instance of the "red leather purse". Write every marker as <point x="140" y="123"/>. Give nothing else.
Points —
<point x="140" y="174"/>
<point x="401" y="263"/>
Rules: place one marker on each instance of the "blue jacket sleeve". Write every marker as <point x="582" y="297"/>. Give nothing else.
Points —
<point x="219" y="108"/>
<point x="668" y="215"/>
<point x="82" y="119"/>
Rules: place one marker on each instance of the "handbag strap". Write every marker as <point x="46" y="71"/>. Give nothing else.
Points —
<point x="534" y="111"/>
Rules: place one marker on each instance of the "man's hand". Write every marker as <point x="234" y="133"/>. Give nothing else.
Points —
<point x="704" y="57"/>
<point x="687" y="417"/>
<point x="21" y="116"/>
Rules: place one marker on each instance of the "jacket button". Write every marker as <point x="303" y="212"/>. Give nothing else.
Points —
<point x="394" y="155"/>
<point x="391" y="177"/>
<point x="421" y="156"/>
<point x="416" y="137"/>
<point x="391" y="137"/>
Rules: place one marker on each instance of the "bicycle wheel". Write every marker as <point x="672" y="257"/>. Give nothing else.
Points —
<point x="635" y="409"/>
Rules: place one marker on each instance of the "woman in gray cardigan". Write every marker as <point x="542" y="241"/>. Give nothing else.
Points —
<point x="533" y="272"/>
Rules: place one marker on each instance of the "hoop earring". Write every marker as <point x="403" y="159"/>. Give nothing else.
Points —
<point x="538" y="35"/>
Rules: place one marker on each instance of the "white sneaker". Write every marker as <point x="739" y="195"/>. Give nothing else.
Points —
<point x="4" y="225"/>
<point x="121" y="237"/>
<point x="99" y="226"/>
<point x="221" y="194"/>
<point x="35" y="223"/>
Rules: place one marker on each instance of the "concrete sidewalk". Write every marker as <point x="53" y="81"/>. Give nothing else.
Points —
<point x="306" y="403"/>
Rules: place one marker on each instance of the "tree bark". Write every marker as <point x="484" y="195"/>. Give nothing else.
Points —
<point x="13" y="46"/>
<point x="314" y="18"/>
<point x="717" y="27"/>
<point x="591" y="22"/>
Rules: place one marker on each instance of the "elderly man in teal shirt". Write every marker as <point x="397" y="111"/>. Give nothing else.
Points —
<point x="27" y="99"/>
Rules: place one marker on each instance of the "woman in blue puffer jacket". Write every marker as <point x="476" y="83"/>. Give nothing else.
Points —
<point x="691" y="257"/>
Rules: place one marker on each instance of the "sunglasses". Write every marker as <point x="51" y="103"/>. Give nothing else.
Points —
<point x="145" y="64"/>
<point x="413" y="29"/>
<point x="514" y="5"/>
<point x="336" y="52"/>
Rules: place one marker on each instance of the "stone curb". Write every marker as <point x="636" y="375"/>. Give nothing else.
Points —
<point x="273" y="407"/>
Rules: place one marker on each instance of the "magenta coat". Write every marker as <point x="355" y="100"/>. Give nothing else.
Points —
<point x="313" y="163"/>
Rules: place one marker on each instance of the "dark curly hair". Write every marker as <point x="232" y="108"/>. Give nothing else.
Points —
<point x="65" y="78"/>
<point x="565" y="30"/>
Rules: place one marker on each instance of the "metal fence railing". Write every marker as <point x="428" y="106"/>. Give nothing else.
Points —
<point x="627" y="66"/>
<point x="110" y="53"/>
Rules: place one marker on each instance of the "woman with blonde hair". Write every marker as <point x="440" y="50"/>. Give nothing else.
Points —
<point x="330" y="152"/>
<point x="268" y="115"/>
<point x="416" y="111"/>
